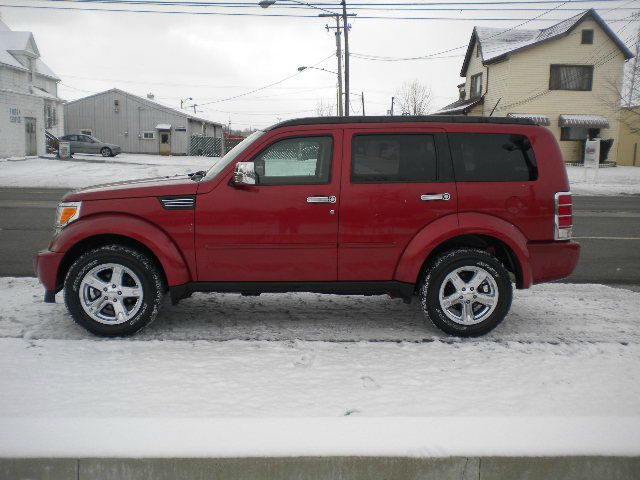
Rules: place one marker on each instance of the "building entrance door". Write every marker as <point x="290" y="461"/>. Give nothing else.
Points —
<point x="165" y="143"/>
<point x="30" y="136"/>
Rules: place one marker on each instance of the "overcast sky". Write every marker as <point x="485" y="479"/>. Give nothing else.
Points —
<point x="210" y="57"/>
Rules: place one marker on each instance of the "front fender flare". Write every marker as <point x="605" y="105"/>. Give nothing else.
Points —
<point x="157" y="241"/>
<point x="446" y="228"/>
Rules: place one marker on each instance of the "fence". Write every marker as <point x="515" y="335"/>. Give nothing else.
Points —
<point x="206" y="146"/>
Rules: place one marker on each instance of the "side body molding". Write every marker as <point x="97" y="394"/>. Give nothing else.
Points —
<point x="161" y="245"/>
<point x="443" y="229"/>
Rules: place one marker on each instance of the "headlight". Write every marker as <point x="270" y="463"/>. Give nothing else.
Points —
<point x="66" y="213"/>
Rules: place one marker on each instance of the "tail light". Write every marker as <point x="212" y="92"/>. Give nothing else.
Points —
<point x="563" y="216"/>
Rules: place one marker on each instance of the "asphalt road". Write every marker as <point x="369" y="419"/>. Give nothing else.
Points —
<point x="608" y="228"/>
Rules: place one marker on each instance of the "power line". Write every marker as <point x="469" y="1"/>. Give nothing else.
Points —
<point x="241" y="14"/>
<point x="265" y="86"/>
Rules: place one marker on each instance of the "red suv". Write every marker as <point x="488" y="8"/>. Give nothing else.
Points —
<point x="453" y="209"/>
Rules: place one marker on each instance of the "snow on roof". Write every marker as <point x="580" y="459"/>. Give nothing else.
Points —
<point x="498" y="42"/>
<point x="536" y="117"/>
<point x="163" y="126"/>
<point x="572" y="120"/>
<point x="12" y="42"/>
<point x="44" y="70"/>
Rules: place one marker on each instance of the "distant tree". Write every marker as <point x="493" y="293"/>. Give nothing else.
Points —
<point x="414" y="98"/>
<point x="325" y="108"/>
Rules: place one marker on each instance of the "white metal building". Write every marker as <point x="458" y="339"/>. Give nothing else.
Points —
<point x="29" y="103"/>
<point x="139" y="125"/>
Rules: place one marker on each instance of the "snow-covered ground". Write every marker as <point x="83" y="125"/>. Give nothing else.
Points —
<point x="605" y="181"/>
<point x="85" y="170"/>
<point x="305" y="374"/>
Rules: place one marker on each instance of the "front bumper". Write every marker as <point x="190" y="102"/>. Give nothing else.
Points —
<point x="553" y="260"/>
<point x="46" y="265"/>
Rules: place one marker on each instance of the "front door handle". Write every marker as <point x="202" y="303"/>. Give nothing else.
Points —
<point x="431" y="197"/>
<point x="331" y="199"/>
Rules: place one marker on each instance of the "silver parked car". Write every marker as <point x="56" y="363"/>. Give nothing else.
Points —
<point x="87" y="144"/>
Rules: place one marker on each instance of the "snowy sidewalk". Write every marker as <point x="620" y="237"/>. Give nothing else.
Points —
<point x="302" y="374"/>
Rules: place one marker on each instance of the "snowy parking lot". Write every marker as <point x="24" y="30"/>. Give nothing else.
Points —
<point x="566" y="355"/>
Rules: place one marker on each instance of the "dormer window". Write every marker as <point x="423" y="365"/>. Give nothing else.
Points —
<point x="587" y="37"/>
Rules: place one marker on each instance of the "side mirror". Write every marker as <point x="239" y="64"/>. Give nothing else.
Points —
<point x="244" y="174"/>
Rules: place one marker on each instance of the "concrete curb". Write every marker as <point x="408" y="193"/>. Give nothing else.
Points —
<point x="323" y="468"/>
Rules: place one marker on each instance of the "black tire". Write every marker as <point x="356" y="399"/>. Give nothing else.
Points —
<point x="143" y="267"/>
<point x="436" y="275"/>
<point x="106" y="152"/>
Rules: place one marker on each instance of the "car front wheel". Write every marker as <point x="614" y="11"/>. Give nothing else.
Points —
<point x="113" y="290"/>
<point x="106" y="152"/>
<point x="466" y="292"/>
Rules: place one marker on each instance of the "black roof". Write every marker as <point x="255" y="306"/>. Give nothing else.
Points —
<point x="401" y="119"/>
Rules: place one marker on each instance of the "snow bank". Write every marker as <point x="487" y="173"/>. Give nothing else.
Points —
<point x="85" y="170"/>
<point x="606" y="181"/>
<point x="305" y="374"/>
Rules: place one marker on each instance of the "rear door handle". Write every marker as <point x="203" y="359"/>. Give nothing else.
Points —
<point x="431" y="197"/>
<point x="330" y="199"/>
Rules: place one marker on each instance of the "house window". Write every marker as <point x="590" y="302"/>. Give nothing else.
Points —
<point x="587" y="37"/>
<point x="50" y="115"/>
<point x="578" y="133"/>
<point x="476" y="85"/>
<point x="477" y="49"/>
<point x="571" y="77"/>
<point x="149" y="135"/>
<point x="86" y="131"/>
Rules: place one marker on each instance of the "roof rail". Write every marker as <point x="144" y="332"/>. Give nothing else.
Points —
<point x="401" y="119"/>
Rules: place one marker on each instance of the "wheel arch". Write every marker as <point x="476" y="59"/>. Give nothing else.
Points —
<point x="98" y="230"/>
<point x="481" y="231"/>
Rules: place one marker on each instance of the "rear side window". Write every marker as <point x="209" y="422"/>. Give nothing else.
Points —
<point x="389" y="158"/>
<point x="490" y="157"/>
<point x="295" y="161"/>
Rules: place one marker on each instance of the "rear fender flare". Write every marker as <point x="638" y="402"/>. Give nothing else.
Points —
<point x="446" y="228"/>
<point x="157" y="241"/>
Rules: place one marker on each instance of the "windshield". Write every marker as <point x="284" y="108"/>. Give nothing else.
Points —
<point x="232" y="155"/>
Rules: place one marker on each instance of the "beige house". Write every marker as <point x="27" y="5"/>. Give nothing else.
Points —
<point x="567" y="77"/>
<point x="629" y="137"/>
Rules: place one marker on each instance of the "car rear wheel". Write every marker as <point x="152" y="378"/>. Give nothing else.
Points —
<point x="106" y="152"/>
<point x="113" y="290"/>
<point x="466" y="292"/>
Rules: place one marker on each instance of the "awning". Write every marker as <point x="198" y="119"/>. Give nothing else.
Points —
<point x="163" y="126"/>
<point x="536" y="117"/>
<point x="460" y="107"/>
<point x="589" y="121"/>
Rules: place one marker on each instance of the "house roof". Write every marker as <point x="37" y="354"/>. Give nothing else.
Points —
<point x="460" y="107"/>
<point x="498" y="43"/>
<point x="152" y="103"/>
<point x="21" y="42"/>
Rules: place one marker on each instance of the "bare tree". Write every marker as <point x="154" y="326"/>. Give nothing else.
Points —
<point x="325" y="108"/>
<point x="414" y="98"/>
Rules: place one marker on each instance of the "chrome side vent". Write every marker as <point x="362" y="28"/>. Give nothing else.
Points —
<point x="182" y="202"/>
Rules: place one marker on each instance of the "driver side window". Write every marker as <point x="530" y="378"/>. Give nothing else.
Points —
<point x="295" y="161"/>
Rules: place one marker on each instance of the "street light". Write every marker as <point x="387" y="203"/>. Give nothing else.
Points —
<point x="300" y="69"/>
<point x="345" y="27"/>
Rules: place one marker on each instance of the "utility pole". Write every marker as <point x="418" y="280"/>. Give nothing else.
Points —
<point x="345" y="25"/>
<point x="362" y="97"/>
<point x="634" y="69"/>
<point x="390" y="112"/>
<point x="339" y="57"/>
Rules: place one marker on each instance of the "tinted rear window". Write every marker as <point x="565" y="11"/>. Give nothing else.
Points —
<point x="387" y="158"/>
<point x="490" y="157"/>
